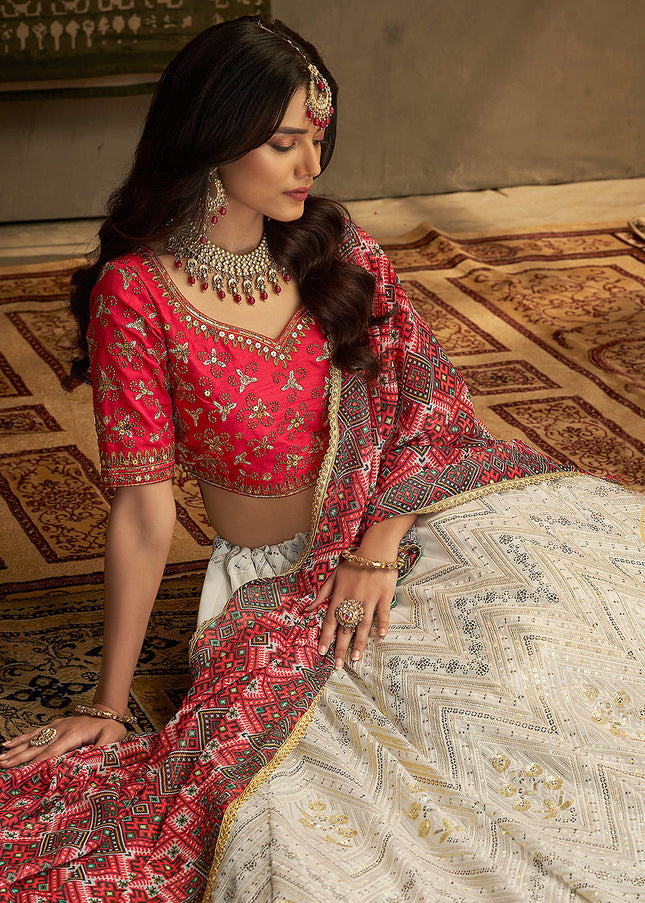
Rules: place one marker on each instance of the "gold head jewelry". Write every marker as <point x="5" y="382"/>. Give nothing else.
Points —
<point x="319" y="97"/>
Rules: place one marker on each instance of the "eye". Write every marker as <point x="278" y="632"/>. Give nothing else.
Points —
<point x="281" y="148"/>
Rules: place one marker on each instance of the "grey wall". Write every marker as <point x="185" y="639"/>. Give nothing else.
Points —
<point x="436" y="97"/>
<point x="473" y="94"/>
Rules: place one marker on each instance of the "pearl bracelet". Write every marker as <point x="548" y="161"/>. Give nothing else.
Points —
<point x="127" y="720"/>
<point x="371" y="563"/>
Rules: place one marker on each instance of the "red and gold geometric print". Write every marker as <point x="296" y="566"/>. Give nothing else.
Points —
<point x="138" y="821"/>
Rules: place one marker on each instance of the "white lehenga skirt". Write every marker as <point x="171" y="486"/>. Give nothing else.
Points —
<point x="492" y="746"/>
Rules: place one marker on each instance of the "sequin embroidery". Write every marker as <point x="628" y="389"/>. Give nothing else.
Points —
<point x="234" y="408"/>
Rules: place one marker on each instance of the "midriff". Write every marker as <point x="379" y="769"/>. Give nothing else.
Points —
<point x="251" y="521"/>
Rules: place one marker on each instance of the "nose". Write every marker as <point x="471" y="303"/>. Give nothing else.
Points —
<point x="309" y="162"/>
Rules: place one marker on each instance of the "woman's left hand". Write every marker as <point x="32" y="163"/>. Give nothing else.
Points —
<point x="373" y="588"/>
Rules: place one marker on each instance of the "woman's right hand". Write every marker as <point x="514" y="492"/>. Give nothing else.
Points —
<point x="71" y="733"/>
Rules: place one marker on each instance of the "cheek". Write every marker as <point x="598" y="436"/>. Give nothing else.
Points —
<point x="269" y="168"/>
<point x="260" y="176"/>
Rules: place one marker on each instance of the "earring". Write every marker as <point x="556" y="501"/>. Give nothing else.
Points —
<point x="216" y="206"/>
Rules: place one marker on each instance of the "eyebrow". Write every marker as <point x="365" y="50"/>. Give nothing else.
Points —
<point x="286" y="130"/>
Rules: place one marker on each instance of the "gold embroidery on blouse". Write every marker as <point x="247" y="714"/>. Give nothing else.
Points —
<point x="107" y="385"/>
<point x="245" y="379"/>
<point x="279" y="351"/>
<point x="129" y="351"/>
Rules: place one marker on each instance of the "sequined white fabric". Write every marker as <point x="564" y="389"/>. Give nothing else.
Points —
<point x="492" y="747"/>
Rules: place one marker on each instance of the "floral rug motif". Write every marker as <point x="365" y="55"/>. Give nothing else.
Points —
<point x="548" y="329"/>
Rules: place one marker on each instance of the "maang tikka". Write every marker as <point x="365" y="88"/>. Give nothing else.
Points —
<point x="318" y="103"/>
<point x="319" y="97"/>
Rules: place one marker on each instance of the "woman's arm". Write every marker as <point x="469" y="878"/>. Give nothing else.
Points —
<point x="139" y="535"/>
<point x="138" y="539"/>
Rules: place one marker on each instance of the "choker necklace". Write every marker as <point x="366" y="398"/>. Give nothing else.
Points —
<point x="237" y="274"/>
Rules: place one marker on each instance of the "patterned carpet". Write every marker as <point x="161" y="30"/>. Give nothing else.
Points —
<point x="548" y="328"/>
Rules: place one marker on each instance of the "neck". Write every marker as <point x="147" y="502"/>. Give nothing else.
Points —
<point x="239" y="232"/>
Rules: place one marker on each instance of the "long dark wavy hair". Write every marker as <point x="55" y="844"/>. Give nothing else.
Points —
<point x="222" y="96"/>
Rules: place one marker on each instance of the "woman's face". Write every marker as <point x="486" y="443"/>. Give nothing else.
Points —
<point x="274" y="179"/>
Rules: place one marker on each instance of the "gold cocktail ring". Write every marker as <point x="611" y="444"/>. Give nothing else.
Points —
<point x="349" y="613"/>
<point x="44" y="737"/>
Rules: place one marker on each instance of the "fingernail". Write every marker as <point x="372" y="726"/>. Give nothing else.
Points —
<point x="322" y="650"/>
<point x="382" y="633"/>
<point x="339" y="664"/>
<point x="355" y="656"/>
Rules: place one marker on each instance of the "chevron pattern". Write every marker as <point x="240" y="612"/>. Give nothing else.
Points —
<point x="493" y="746"/>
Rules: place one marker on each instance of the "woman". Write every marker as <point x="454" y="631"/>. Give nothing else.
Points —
<point x="254" y="335"/>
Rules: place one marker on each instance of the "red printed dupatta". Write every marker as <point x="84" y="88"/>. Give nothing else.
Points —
<point x="140" y="820"/>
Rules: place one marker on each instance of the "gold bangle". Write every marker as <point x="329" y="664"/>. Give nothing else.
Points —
<point x="127" y="720"/>
<point x="371" y="563"/>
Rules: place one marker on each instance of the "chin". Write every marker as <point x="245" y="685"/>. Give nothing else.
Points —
<point x="289" y="216"/>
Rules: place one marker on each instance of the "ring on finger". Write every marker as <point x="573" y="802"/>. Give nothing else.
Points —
<point x="44" y="737"/>
<point x="349" y="613"/>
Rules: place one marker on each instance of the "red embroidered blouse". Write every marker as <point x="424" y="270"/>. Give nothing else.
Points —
<point x="234" y="408"/>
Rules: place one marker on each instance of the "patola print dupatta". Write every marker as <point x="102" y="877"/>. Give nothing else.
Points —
<point x="140" y="820"/>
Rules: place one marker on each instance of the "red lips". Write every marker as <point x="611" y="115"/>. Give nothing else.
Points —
<point x="298" y="194"/>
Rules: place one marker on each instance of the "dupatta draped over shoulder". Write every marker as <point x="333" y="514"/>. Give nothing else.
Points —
<point x="140" y="820"/>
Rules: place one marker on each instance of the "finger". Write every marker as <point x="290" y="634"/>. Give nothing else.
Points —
<point x="384" y="609"/>
<point x="324" y="592"/>
<point x="21" y="739"/>
<point x="19" y="757"/>
<point x="16" y="741"/>
<point x="9" y="754"/>
<point x="55" y="750"/>
<point x="362" y="633"/>
<point x="328" y="629"/>
<point x="27" y="736"/>
<point x="344" y="637"/>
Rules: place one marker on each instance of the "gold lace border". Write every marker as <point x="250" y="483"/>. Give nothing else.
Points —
<point x="256" y="781"/>
<point x="513" y="483"/>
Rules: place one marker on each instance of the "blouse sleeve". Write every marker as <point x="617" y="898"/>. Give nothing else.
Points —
<point x="131" y="389"/>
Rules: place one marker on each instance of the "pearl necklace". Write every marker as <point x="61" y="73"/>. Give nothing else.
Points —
<point x="237" y="274"/>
